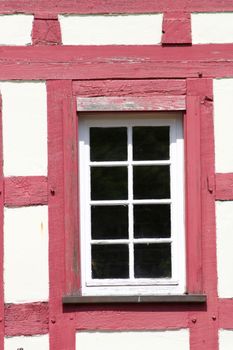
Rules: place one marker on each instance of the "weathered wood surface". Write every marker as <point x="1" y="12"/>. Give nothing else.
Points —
<point x="1" y="235"/>
<point x="25" y="190"/>
<point x="26" y="319"/>
<point x="176" y="28"/>
<point x="158" y="103"/>
<point x="46" y="32"/>
<point x="58" y="91"/>
<point x="224" y="186"/>
<point x="129" y="88"/>
<point x="112" y="62"/>
<point x="112" y="6"/>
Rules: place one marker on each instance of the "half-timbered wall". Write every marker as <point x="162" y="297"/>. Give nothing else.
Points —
<point x="53" y="52"/>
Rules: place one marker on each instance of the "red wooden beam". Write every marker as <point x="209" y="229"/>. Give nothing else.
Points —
<point x="1" y="236"/>
<point x="126" y="318"/>
<point x="225" y="310"/>
<point x="26" y="319"/>
<point x="204" y="327"/>
<point x="46" y="32"/>
<point x="112" y="6"/>
<point x="176" y="28"/>
<point x="62" y="332"/>
<point x="71" y="193"/>
<point x="224" y="186"/>
<point x="148" y="87"/>
<point x="115" y="62"/>
<point x="192" y="139"/>
<point x="158" y="103"/>
<point x="25" y="190"/>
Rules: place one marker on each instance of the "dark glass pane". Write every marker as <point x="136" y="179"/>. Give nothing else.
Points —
<point x="109" y="222"/>
<point x="151" y="143"/>
<point x="109" y="183"/>
<point x="152" y="221"/>
<point x="108" y="144"/>
<point x="110" y="261"/>
<point x="151" y="182"/>
<point x="152" y="260"/>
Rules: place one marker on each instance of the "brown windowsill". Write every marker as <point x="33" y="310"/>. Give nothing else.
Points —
<point x="186" y="298"/>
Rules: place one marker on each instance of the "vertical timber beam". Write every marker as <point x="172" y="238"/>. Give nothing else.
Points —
<point x="1" y="235"/>
<point x="61" y="330"/>
<point x="204" y="325"/>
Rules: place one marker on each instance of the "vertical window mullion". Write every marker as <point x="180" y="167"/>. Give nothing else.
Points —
<point x="173" y="205"/>
<point x="87" y="213"/>
<point x="130" y="198"/>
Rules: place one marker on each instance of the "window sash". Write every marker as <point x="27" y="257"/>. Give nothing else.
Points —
<point x="176" y="283"/>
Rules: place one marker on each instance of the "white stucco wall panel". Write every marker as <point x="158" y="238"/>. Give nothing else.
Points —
<point x="224" y="221"/>
<point x="26" y="254"/>
<point x="166" y="340"/>
<point x="223" y="124"/>
<point x="15" y="29"/>
<point x="39" y="342"/>
<point x="24" y="128"/>
<point x="138" y="29"/>
<point x="225" y="339"/>
<point x="212" y="28"/>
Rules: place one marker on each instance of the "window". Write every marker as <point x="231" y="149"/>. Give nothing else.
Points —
<point x="132" y="203"/>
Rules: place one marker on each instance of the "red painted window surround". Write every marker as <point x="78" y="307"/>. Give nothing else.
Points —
<point x="62" y="198"/>
<point x="63" y="248"/>
<point x="197" y="96"/>
<point x="64" y="218"/>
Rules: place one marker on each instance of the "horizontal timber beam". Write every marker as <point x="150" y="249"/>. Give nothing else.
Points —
<point x="112" y="6"/>
<point x="115" y="62"/>
<point x="25" y="190"/>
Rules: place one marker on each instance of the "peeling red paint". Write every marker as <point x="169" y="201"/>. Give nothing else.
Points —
<point x="158" y="103"/>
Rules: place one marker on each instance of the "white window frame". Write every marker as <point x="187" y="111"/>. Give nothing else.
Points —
<point x="175" y="284"/>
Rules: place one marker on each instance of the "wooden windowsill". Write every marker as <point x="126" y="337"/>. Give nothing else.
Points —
<point x="186" y="298"/>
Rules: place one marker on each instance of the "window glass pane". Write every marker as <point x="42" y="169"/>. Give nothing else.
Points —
<point x="152" y="260"/>
<point x="108" y="144"/>
<point x="109" y="183"/>
<point x="151" y="182"/>
<point x="151" y="143"/>
<point x="152" y="221"/>
<point x="110" y="261"/>
<point x="109" y="222"/>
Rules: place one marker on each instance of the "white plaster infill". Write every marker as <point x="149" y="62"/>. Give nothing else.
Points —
<point x="36" y="342"/>
<point x="24" y="114"/>
<point x="224" y="223"/>
<point x="225" y="339"/>
<point x="213" y="28"/>
<point x="136" y="29"/>
<point x="26" y="254"/>
<point x="223" y="125"/>
<point x="133" y="340"/>
<point x="16" y="29"/>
